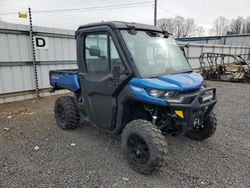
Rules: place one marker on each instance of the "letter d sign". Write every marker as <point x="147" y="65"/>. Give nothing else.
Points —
<point x="41" y="42"/>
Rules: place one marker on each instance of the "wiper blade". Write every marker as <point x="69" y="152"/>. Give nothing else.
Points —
<point x="185" y="72"/>
<point x="188" y="71"/>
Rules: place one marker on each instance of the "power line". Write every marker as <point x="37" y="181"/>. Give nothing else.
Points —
<point x="167" y="11"/>
<point x="99" y="9"/>
<point x="48" y="17"/>
<point x="142" y="3"/>
<point x="95" y="7"/>
<point x="74" y="4"/>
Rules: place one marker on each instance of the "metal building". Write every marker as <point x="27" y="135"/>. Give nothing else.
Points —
<point x="17" y="79"/>
<point x="232" y="40"/>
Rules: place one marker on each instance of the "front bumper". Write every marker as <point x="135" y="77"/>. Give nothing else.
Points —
<point x="195" y="107"/>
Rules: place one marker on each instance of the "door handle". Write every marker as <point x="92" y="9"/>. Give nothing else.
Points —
<point x="115" y="82"/>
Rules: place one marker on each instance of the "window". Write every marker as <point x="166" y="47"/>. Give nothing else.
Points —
<point x="96" y="53"/>
<point x="114" y="56"/>
<point x="155" y="55"/>
<point x="101" y="54"/>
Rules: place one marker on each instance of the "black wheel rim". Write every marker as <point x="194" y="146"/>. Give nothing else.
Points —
<point x="61" y="113"/>
<point x="138" y="149"/>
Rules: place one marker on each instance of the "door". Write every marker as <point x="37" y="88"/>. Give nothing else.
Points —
<point x="99" y="86"/>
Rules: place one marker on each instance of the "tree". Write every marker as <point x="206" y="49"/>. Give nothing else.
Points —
<point x="166" y="24"/>
<point x="200" y="31"/>
<point x="178" y="26"/>
<point x="238" y="25"/>
<point x="221" y="26"/>
<point x="162" y="23"/>
<point x="247" y="25"/>
<point x="189" y="27"/>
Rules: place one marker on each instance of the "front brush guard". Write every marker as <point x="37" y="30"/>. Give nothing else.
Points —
<point x="195" y="109"/>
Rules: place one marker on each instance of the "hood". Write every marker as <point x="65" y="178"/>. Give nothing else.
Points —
<point x="182" y="82"/>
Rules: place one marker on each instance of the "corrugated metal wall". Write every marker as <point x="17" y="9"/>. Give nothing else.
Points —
<point x="238" y="41"/>
<point x="194" y="50"/>
<point x="232" y="40"/>
<point x="16" y="70"/>
<point x="17" y="79"/>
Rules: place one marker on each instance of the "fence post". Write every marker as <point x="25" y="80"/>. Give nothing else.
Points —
<point x="241" y="51"/>
<point x="202" y="47"/>
<point x="248" y="53"/>
<point x="33" y="54"/>
<point x="214" y="48"/>
<point x="245" y="53"/>
<point x="188" y="45"/>
<point x="230" y="48"/>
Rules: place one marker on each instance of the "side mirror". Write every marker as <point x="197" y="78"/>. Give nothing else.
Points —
<point x="116" y="71"/>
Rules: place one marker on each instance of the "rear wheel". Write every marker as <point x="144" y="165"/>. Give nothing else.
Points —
<point x="144" y="146"/>
<point x="206" y="130"/>
<point x="66" y="113"/>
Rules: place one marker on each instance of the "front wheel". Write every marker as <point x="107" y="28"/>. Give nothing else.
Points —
<point x="144" y="146"/>
<point x="206" y="130"/>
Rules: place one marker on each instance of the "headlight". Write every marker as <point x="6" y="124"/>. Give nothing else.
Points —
<point x="156" y="93"/>
<point x="161" y="94"/>
<point x="169" y="94"/>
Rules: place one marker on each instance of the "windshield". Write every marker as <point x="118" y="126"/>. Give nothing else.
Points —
<point x="155" y="55"/>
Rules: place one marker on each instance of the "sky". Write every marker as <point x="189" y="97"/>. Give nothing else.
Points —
<point x="204" y="12"/>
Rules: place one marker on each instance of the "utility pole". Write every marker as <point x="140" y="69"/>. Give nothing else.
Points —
<point x="33" y="53"/>
<point x="155" y="13"/>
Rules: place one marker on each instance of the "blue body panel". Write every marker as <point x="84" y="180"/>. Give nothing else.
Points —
<point x="65" y="80"/>
<point x="183" y="82"/>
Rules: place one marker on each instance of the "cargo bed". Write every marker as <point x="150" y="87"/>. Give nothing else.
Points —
<point x="64" y="79"/>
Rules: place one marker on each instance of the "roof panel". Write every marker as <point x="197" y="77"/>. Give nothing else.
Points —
<point x="122" y="25"/>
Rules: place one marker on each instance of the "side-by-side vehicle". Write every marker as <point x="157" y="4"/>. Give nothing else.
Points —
<point x="134" y="80"/>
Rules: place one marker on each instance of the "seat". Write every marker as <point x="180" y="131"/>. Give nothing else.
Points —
<point x="98" y="64"/>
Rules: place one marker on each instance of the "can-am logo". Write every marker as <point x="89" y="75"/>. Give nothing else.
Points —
<point x="55" y="77"/>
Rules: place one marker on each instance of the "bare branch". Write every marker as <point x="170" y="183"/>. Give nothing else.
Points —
<point x="221" y="26"/>
<point x="179" y="26"/>
<point x="237" y="26"/>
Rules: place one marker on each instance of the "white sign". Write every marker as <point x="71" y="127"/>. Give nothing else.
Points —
<point x="41" y="42"/>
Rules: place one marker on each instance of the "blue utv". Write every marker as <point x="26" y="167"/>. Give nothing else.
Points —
<point x="134" y="80"/>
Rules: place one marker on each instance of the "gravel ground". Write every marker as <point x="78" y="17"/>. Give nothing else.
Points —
<point x="96" y="161"/>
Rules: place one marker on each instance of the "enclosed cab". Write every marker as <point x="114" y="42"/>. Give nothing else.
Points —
<point x="135" y="80"/>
